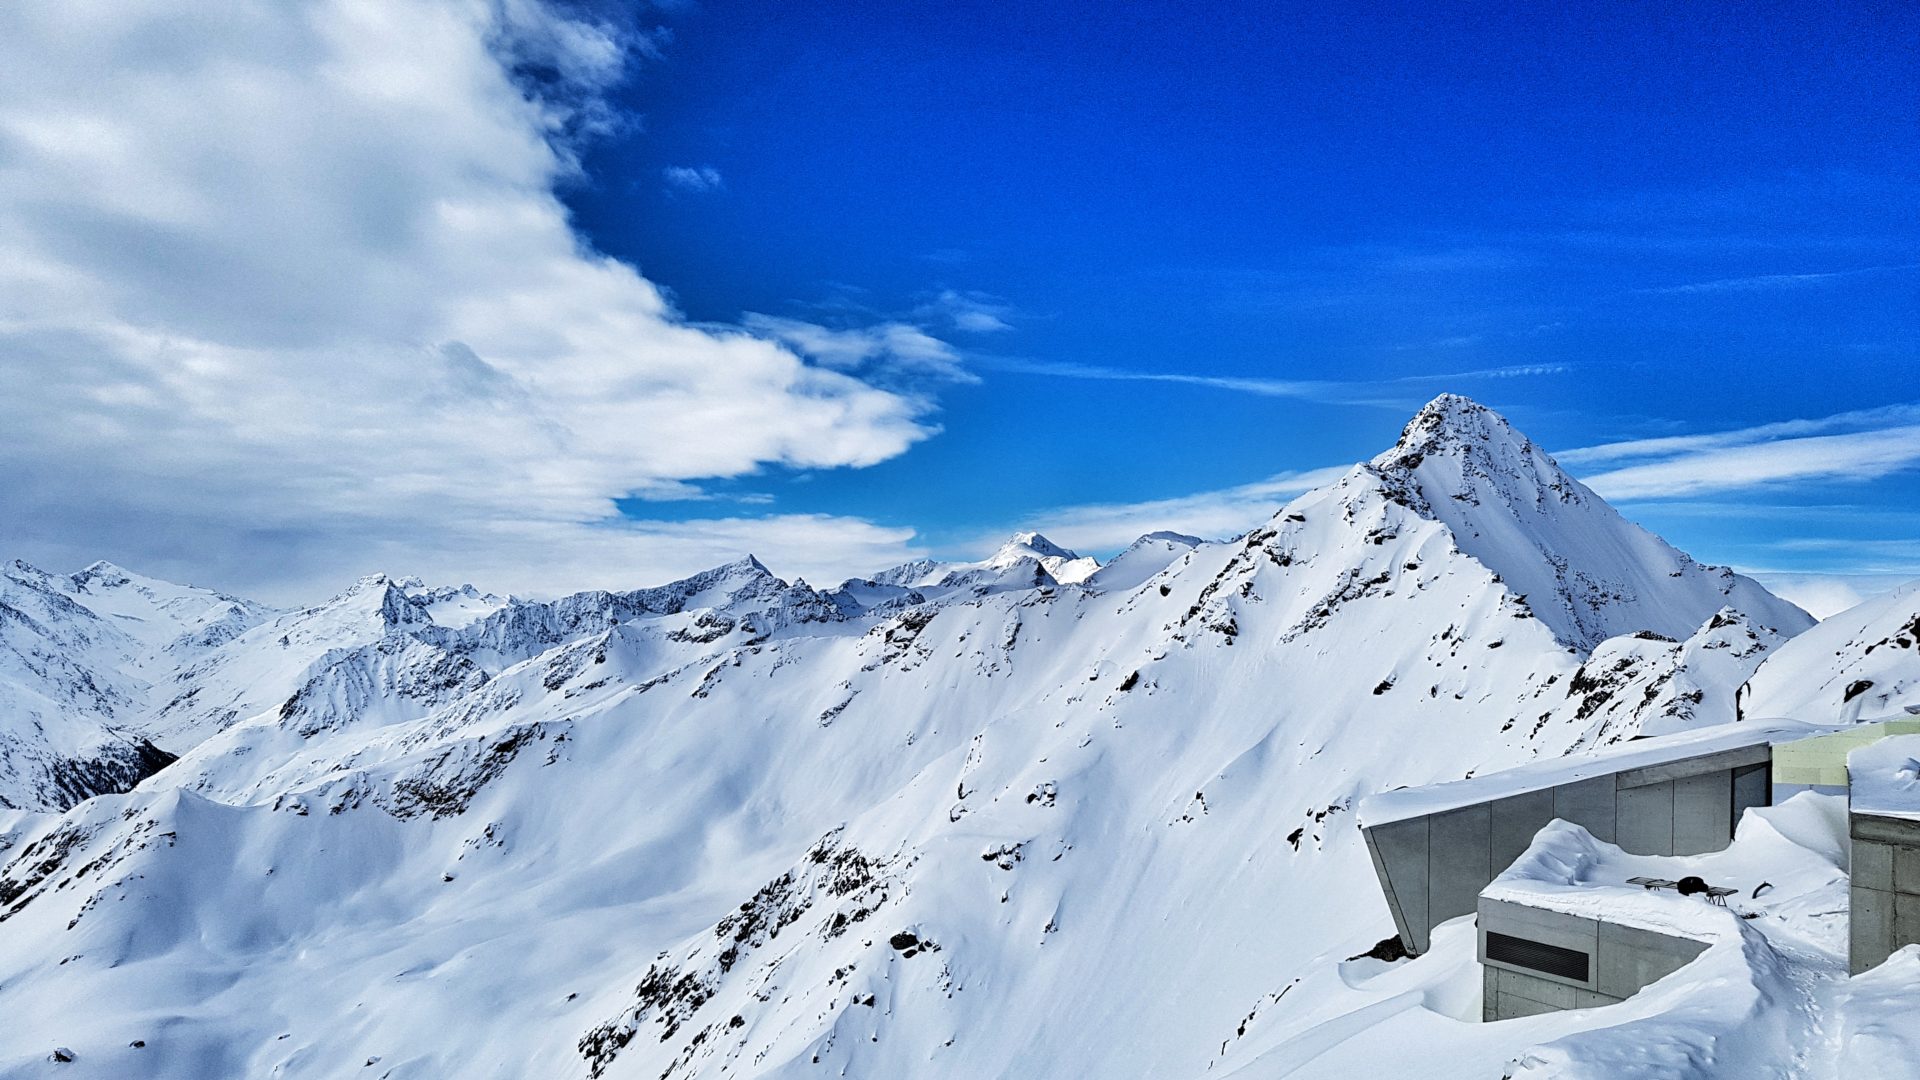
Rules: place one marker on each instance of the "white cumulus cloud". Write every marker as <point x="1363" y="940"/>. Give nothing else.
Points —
<point x="286" y="294"/>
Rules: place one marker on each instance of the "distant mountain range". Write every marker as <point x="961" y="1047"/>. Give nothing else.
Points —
<point x="1033" y="816"/>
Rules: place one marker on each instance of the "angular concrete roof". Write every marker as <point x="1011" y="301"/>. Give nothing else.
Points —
<point x="1404" y="803"/>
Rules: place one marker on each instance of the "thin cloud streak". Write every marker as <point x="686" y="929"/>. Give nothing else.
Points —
<point x="1207" y="514"/>
<point x="1881" y="417"/>
<point x="693" y="178"/>
<point x="1357" y="392"/>
<point x="1862" y="455"/>
<point x="1778" y="281"/>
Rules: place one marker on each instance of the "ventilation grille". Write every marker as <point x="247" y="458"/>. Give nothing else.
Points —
<point x="1537" y="956"/>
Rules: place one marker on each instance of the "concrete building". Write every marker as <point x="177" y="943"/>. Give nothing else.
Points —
<point x="1547" y="943"/>
<point x="1883" y="820"/>
<point x="1537" y="960"/>
<point x="1435" y="848"/>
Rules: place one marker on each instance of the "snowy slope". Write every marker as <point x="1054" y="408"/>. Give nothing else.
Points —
<point x="1587" y="572"/>
<point x="79" y="656"/>
<point x="1009" y="825"/>
<point x="1861" y="664"/>
<point x="1647" y="684"/>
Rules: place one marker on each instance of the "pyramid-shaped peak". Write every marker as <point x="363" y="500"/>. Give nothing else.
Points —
<point x="1033" y="544"/>
<point x="1457" y="448"/>
<point x="1065" y="566"/>
<point x="747" y="564"/>
<point x="1454" y="421"/>
<point x="1582" y="568"/>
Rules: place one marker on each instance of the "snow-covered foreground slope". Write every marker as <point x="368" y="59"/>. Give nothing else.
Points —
<point x="974" y="822"/>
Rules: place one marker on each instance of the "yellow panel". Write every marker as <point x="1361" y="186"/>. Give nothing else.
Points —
<point x="1822" y="760"/>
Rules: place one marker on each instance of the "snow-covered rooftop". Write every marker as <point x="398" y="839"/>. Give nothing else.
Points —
<point x="1884" y="778"/>
<point x="1796" y="848"/>
<point x="1404" y="803"/>
<point x="1568" y="870"/>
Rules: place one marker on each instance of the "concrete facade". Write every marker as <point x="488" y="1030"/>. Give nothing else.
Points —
<point x="1619" y="960"/>
<point x="1432" y="867"/>
<point x="1885" y="905"/>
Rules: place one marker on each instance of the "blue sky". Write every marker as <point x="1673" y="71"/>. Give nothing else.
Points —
<point x="553" y="294"/>
<point x="1643" y="221"/>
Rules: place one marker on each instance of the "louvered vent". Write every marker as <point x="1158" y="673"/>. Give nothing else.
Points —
<point x="1537" y="956"/>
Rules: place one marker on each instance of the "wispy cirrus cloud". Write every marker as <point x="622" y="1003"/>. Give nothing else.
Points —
<point x="693" y="178"/>
<point x="1397" y="393"/>
<point x="899" y="347"/>
<point x="1822" y="595"/>
<point x="967" y="312"/>
<point x="1779" y="281"/>
<point x="1874" y="419"/>
<point x="1859" y="445"/>
<point x="1207" y="514"/>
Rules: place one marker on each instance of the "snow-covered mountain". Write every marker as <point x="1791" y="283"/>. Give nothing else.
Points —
<point x="1026" y="560"/>
<point x="1025" y="817"/>
<point x="1586" y="571"/>
<point x="1861" y="664"/>
<point x="82" y="659"/>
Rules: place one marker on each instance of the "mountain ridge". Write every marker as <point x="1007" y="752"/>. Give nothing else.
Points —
<point x="739" y="826"/>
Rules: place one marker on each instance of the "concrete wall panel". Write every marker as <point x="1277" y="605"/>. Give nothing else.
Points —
<point x="1702" y="812"/>
<point x="1870" y="929"/>
<point x="1515" y="822"/>
<point x="1725" y="761"/>
<point x="1906" y="869"/>
<point x="1906" y="921"/>
<point x="1646" y="818"/>
<point x="1460" y="863"/>
<point x="1884" y="829"/>
<point x="1535" y="924"/>
<point x="1630" y="959"/>
<point x="1588" y="803"/>
<point x="1519" y="984"/>
<point x="1752" y="786"/>
<point x="1872" y="865"/>
<point x="1593" y="999"/>
<point x="1623" y="960"/>
<point x="1433" y="868"/>
<point x="1513" y="1008"/>
<point x="1401" y="847"/>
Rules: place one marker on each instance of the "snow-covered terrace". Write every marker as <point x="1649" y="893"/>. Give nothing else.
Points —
<point x="1568" y="871"/>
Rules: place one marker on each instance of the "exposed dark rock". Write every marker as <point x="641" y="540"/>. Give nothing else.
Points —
<point x="1388" y="949"/>
<point x="74" y="781"/>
